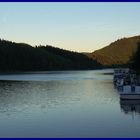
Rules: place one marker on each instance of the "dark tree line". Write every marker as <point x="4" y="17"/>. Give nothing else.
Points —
<point x="23" y="57"/>
<point x="135" y="60"/>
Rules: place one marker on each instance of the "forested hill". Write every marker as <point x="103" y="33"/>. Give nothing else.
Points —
<point x="117" y="53"/>
<point x="23" y="57"/>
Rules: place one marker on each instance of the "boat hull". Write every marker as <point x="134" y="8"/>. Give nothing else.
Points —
<point x="130" y="96"/>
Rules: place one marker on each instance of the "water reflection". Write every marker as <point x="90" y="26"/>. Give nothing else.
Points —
<point x="130" y="106"/>
<point x="70" y="104"/>
<point x="19" y="96"/>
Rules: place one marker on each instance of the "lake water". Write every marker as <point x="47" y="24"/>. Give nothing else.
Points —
<point x="65" y="104"/>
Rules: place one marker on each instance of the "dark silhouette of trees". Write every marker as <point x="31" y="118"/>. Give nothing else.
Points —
<point x="23" y="57"/>
<point x="135" y="60"/>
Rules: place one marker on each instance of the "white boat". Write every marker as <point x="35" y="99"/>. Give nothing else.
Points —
<point x="128" y="94"/>
<point x="119" y="75"/>
<point x="119" y="71"/>
<point x="127" y="83"/>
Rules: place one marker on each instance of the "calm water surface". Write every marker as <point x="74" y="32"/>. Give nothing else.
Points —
<point x="65" y="104"/>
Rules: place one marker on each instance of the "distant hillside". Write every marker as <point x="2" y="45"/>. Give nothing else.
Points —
<point x="117" y="53"/>
<point x="23" y="57"/>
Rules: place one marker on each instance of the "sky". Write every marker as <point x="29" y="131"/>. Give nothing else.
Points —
<point x="82" y="27"/>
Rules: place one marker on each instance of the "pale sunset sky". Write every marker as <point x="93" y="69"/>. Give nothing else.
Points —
<point x="82" y="27"/>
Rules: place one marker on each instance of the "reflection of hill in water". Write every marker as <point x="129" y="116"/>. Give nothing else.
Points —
<point x="130" y="106"/>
